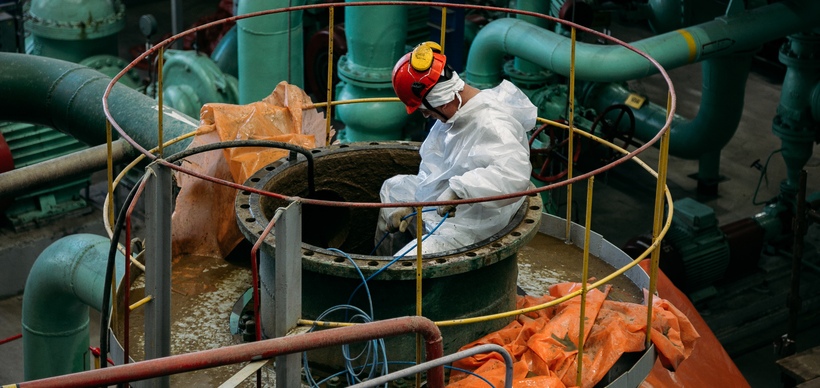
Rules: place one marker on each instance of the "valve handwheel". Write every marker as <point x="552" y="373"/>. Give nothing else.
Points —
<point x="556" y="152"/>
<point x="611" y="129"/>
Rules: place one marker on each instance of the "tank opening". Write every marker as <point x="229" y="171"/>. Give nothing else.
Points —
<point x="325" y="226"/>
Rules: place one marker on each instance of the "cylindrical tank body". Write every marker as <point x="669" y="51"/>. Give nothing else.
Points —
<point x="476" y="280"/>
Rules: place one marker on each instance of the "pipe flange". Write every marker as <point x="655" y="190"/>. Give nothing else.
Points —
<point x="801" y="51"/>
<point x="47" y="21"/>
<point x="111" y="66"/>
<point x="528" y="80"/>
<point x="362" y="76"/>
<point x="252" y="219"/>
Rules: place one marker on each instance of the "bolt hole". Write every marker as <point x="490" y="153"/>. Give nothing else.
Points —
<point x="259" y="232"/>
<point x="441" y="261"/>
<point x="532" y="195"/>
<point x="246" y="192"/>
<point x="250" y="219"/>
<point x="496" y="245"/>
<point x="270" y="168"/>
<point x="245" y="206"/>
<point x="254" y="180"/>
<point x="407" y="263"/>
<point x="529" y="221"/>
<point x="343" y="146"/>
<point x="471" y="254"/>
<point x="535" y="207"/>
<point x="310" y="253"/>
<point x="515" y="234"/>
<point x="374" y="143"/>
<point x="339" y="259"/>
<point x="373" y="263"/>
<point x="315" y="151"/>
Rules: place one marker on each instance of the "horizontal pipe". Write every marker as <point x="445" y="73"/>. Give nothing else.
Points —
<point x="26" y="179"/>
<point x="257" y="351"/>
<point x="68" y="97"/>
<point x="721" y="107"/>
<point x="613" y="63"/>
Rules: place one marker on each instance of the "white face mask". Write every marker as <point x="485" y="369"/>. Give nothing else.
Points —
<point x="444" y="92"/>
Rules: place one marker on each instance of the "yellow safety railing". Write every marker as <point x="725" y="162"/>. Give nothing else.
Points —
<point x="662" y="195"/>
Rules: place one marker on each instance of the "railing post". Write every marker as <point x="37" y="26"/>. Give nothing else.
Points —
<point x="158" y="269"/>
<point x="287" y="296"/>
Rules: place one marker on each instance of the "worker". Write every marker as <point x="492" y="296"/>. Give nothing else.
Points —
<point x="476" y="148"/>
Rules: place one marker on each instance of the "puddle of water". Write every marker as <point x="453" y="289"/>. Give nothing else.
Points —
<point x="546" y="261"/>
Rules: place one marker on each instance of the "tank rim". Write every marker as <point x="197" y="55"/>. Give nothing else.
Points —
<point x="506" y="243"/>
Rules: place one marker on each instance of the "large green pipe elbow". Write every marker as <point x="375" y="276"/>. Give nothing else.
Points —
<point x="68" y="97"/>
<point x="269" y="52"/>
<point x="66" y="279"/>
<point x="611" y="63"/>
<point x="721" y="106"/>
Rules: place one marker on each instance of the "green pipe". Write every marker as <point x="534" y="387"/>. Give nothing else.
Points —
<point x="795" y="123"/>
<point x="225" y="53"/>
<point x="76" y="29"/>
<point x="538" y="6"/>
<point x="68" y="97"/>
<point x="613" y="63"/>
<point x="721" y="106"/>
<point x="67" y="278"/>
<point x="375" y="41"/>
<point x="269" y="52"/>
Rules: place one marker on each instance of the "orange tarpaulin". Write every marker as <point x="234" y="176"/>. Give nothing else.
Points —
<point x="204" y="222"/>
<point x="544" y="343"/>
<point x="708" y="366"/>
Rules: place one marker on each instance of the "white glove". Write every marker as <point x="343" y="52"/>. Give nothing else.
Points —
<point x="395" y="222"/>
<point x="447" y="195"/>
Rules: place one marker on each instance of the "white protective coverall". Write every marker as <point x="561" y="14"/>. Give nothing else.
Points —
<point x="481" y="151"/>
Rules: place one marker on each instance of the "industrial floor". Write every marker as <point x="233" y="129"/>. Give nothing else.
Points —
<point x="623" y="198"/>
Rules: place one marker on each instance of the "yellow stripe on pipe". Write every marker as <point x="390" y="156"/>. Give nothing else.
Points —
<point x="690" y="41"/>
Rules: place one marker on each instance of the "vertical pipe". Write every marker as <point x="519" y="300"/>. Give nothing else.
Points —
<point x="584" y="275"/>
<point x="794" y="302"/>
<point x="67" y="278"/>
<point x="658" y="224"/>
<point x="443" y="27"/>
<point x="329" y="108"/>
<point x="159" y="94"/>
<point x="176" y="22"/>
<point x="110" y="197"/>
<point x="571" y="146"/>
<point x="158" y="272"/>
<point x="288" y="290"/>
<point x="263" y="44"/>
<point x="419" y="239"/>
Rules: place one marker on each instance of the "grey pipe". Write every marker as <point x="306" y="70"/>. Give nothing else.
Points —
<point x="611" y="63"/>
<point x="66" y="279"/>
<point x="23" y="180"/>
<point x="68" y="97"/>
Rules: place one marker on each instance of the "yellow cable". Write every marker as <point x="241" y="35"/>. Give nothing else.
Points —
<point x="353" y="101"/>
<point x="329" y="74"/>
<point x="570" y="152"/>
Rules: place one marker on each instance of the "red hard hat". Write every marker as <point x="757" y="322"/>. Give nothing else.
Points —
<point x="416" y="73"/>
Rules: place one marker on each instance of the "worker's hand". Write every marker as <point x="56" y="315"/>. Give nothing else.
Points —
<point x="395" y="222"/>
<point x="447" y="195"/>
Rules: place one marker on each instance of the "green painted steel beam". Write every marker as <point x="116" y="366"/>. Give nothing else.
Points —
<point x="66" y="279"/>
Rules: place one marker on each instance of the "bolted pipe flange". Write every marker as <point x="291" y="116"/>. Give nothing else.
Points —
<point x="91" y="19"/>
